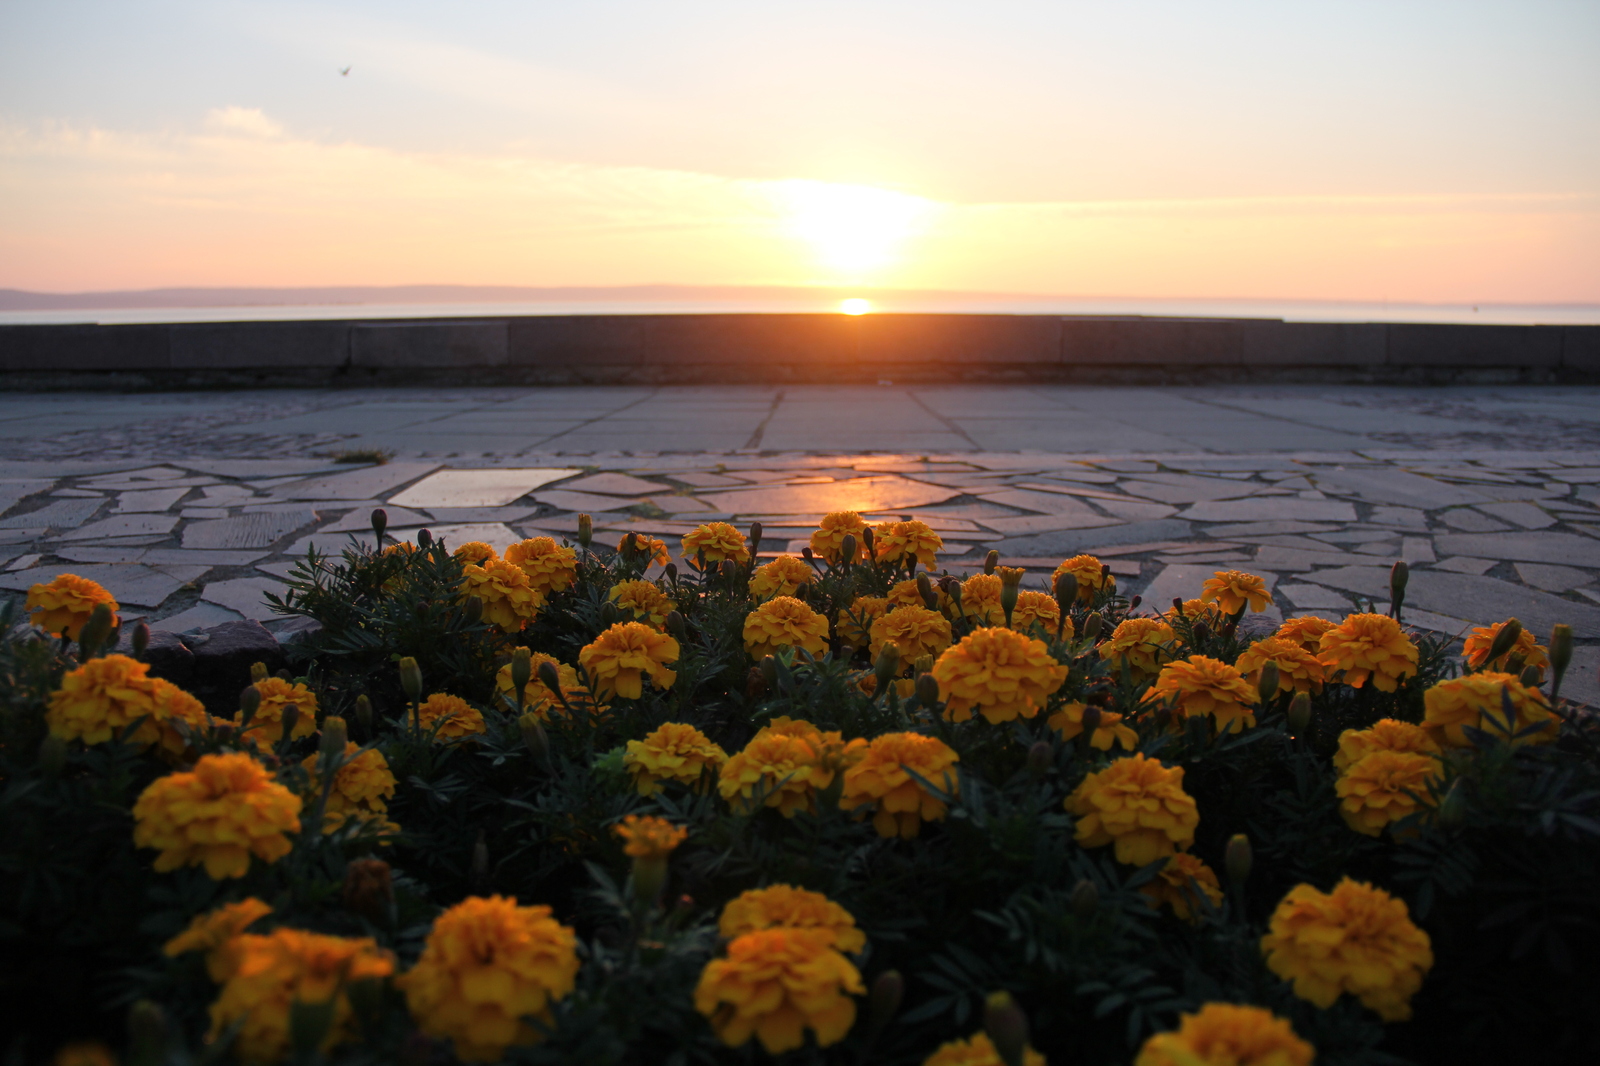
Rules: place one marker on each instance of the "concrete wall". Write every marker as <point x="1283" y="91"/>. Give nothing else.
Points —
<point x="819" y="347"/>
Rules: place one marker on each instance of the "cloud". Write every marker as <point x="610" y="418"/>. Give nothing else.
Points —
<point x="248" y="121"/>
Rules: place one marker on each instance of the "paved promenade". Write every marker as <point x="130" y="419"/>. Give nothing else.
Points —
<point x="188" y="506"/>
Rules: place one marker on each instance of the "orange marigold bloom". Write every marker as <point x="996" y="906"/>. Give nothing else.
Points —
<point x="787" y="907"/>
<point x="1198" y="610"/>
<point x="276" y="696"/>
<point x="1140" y="644"/>
<point x="1477" y="701"/>
<point x="1002" y="673"/>
<point x="1068" y="723"/>
<point x="672" y="752"/>
<point x="1384" y="787"/>
<point x="1037" y="608"/>
<point x="784" y="766"/>
<point x="1183" y="883"/>
<point x="900" y="804"/>
<point x="174" y="707"/>
<point x="550" y="567"/>
<point x="646" y="837"/>
<point x="775" y="984"/>
<point x="784" y="622"/>
<point x="1481" y="639"/>
<point x="1298" y="669"/>
<point x="618" y="660"/>
<point x="914" y="631"/>
<point x="828" y="540"/>
<point x="649" y="547"/>
<point x="1201" y="685"/>
<point x="220" y="813"/>
<point x="980" y="600"/>
<point x="645" y="600"/>
<point x="101" y="699"/>
<point x="1227" y="1034"/>
<point x="901" y="542"/>
<point x="1232" y="590"/>
<point x="978" y="1050"/>
<point x="1305" y="631"/>
<point x="1386" y="734"/>
<point x="719" y="541"/>
<point x="1356" y="939"/>
<point x="453" y="716"/>
<point x="476" y="553"/>
<point x="783" y="576"/>
<point x="361" y="788"/>
<point x="215" y="932"/>
<point x="1369" y="647"/>
<point x="1137" y="804"/>
<point x="488" y="965"/>
<point x="1090" y="574"/>
<point x="856" y="620"/>
<point x="63" y="605"/>
<point x="905" y="594"/>
<point x="540" y="700"/>
<point x="510" y="601"/>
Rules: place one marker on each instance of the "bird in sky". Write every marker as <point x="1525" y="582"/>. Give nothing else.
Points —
<point x="344" y="72"/>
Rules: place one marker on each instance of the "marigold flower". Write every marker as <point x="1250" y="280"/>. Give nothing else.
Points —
<point x="63" y="605"/>
<point x="1356" y="939"/>
<point x="214" y="933"/>
<point x="1068" y="723"/>
<point x="1000" y="672"/>
<point x="1369" y="647"/>
<point x="1197" y="610"/>
<point x="775" y="984"/>
<point x="1037" y="608"/>
<point x="1200" y="685"/>
<point x="1479" y="642"/>
<point x="901" y="542"/>
<point x="1305" y="631"/>
<point x="649" y="547"/>
<point x="540" y="700"/>
<point x="828" y="540"/>
<point x="550" y="567"/>
<point x="1184" y="881"/>
<point x="1227" y="1034"/>
<point x="787" y="762"/>
<point x="645" y="600"/>
<point x="1140" y="645"/>
<point x="1137" y="804"/>
<point x="914" y="631"/>
<point x="719" y="541"/>
<point x="618" y="660"/>
<point x="980" y="600"/>
<point x="784" y="576"/>
<point x="899" y="803"/>
<point x="276" y="695"/>
<point x="1231" y="590"/>
<point x="361" y="787"/>
<point x="906" y="594"/>
<point x="672" y="752"/>
<point x="101" y="699"/>
<point x="1386" y="734"/>
<point x="784" y="622"/>
<point x="856" y="620"/>
<point x="220" y="813"/>
<point x="784" y="906"/>
<point x="1298" y="669"/>
<point x="1090" y="574"/>
<point x="1384" y="787"/>
<point x="475" y="553"/>
<point x="1477" y="701"/>
<point x="510" y="601"/>
<point x="978" y="1050"/>
<point x="646" y="837"/>
<point x="487" y="965"/>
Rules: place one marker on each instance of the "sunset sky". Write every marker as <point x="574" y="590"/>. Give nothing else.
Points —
<point x="1395" y="150"/>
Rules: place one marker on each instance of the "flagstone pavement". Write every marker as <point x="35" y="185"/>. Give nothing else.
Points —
<point x="190" y="506"/>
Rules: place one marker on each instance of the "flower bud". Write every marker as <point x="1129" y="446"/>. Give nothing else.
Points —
<point x="755" y="539"/>
<point x="671" y="571"/>
<point x="1177" y="605"/>
<point x="1515" y="663"/>
<point x="630" y="545"/>
<point x="1007" y="1027"/>
<point x="411" y="678"/>
<point x="848" y="549"/>
<point x="368" y="888"/>
<point x="867" y="539"/>
<point x="1039" y="759"/>
<point x="364" y="713"/>
<point x="1299" y="718"/>
<point x="728" y="569"/>
<point x="585" y="530"/>
<point x="769" y="672"/>
<point x="424" y="539"/>
<point x="249" y="704"/>
<point x="1503" y="640"/>
<point x="807" y="554"/>
<point x="886" y="667"/>
<point x="755" y="685"/>
<point x="472" y="610"/>
<point x="147" y="1034"/>
<point x="1010" y="576"/>
<point x="991" y="560"/>
<point x="1092" y="626"/>
<point x="927" y="690"/>
<point x="677" y="627"/>
<point x="533" y="736"/>
<point x="1133" y="604"/>
<point x="550" y="678"/>
<point x="1453" y="807"/>
<point x="1202" y="632"/>
<point x="925" y="590"/>
<point x="923" y="664"/>
<point x="291" y="719"/>
<point x="1237" y="860"/>
<point x="258" y="672"/>
<point x="521" y="672"/>
<point x="609" y="614"/>
<point x="335" y="735"/>
<point x="52" y="755"/>
<point x="380" y="522"/>
<point x="1560" y="656"/>
<point x="1399" y="575"/>
<point x="478" y="872"/>
<point x="1269" y="681"/>
<point x="141" y="640"/>
<point x="883" y="1001"/>
<point x="95" y="631"/>
<point x="1531" y="676"/>
<point x="1085" y="898"/>
<point x="1008" y="595"/>
<point x="1090" y="722"/>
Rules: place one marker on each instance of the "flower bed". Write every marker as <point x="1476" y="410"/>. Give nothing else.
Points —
<point x="578" y="803"/>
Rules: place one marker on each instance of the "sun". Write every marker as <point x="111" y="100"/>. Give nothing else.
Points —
<point x="854" y="306"/>
<point x="853" y="230"/>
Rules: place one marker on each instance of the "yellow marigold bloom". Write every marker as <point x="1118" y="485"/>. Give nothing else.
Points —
<point x="286" y="966"/>
<point x="1298" y="669"/>
<point x="63" y="606"/>
<point x="1068" y="723"/>
<point x="215" y="932"/>
<point x="1002" y="673"/>
<point x="1231" y="590"/>
<point x="1198" y="610"/>
<point x="645" y="837"/>
<point x="361" y="787"/>
<point x="1090" y="574"/>
<point x="489" y="963"/>
<point x="476" y="552"/>
<point x="787" y="762"/>
<point x="1356" y="939"/>
<point x="220" y="813"/>
<point x="719" y="541"/>
<point x="905" y="594"/>
<point x="856" y="620"/>
<point x="101" y="699"/>
<point x="510" y="601"/>
<point x="1142" y="644"/>
<point x="828" y="540"/>
<point x="84" y="1053"/>
<point x="1369" y="647"/>
<point x="1184" y="881"/>
<point x="879" y="780"/>
<point x="276" y="695"/>
<point x="784" y="622"/>
<point x="453" y="716"/>
<point x="1201" y="685"/>
<point x="775" y="984"/>
<point x="1137" y="804"/>
<point x="550" y="567"/>
<point x="1305" y="631"/>
<point x="784" y="576"/>
<point x="1386" y="734"/>
<point x="1384" y="787"/>
<point x="673" y="752"/>
<point x="978" y="1050"/>
<point x="645" y="600"/>
<point x="901" y="542"/>
<point x="914" y="631"/>
<point x="1477" y="700"/>
<point x="618" y="660"/>
<point x="540" y="700"/>
<point x="1227" y="1034"/>
<point x="649" y="547"/>
<point x="1481" y="639"/>
<point x="787" y="907"/>
<point x="1037" y="608"/>
<point x="980" y="600"/>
